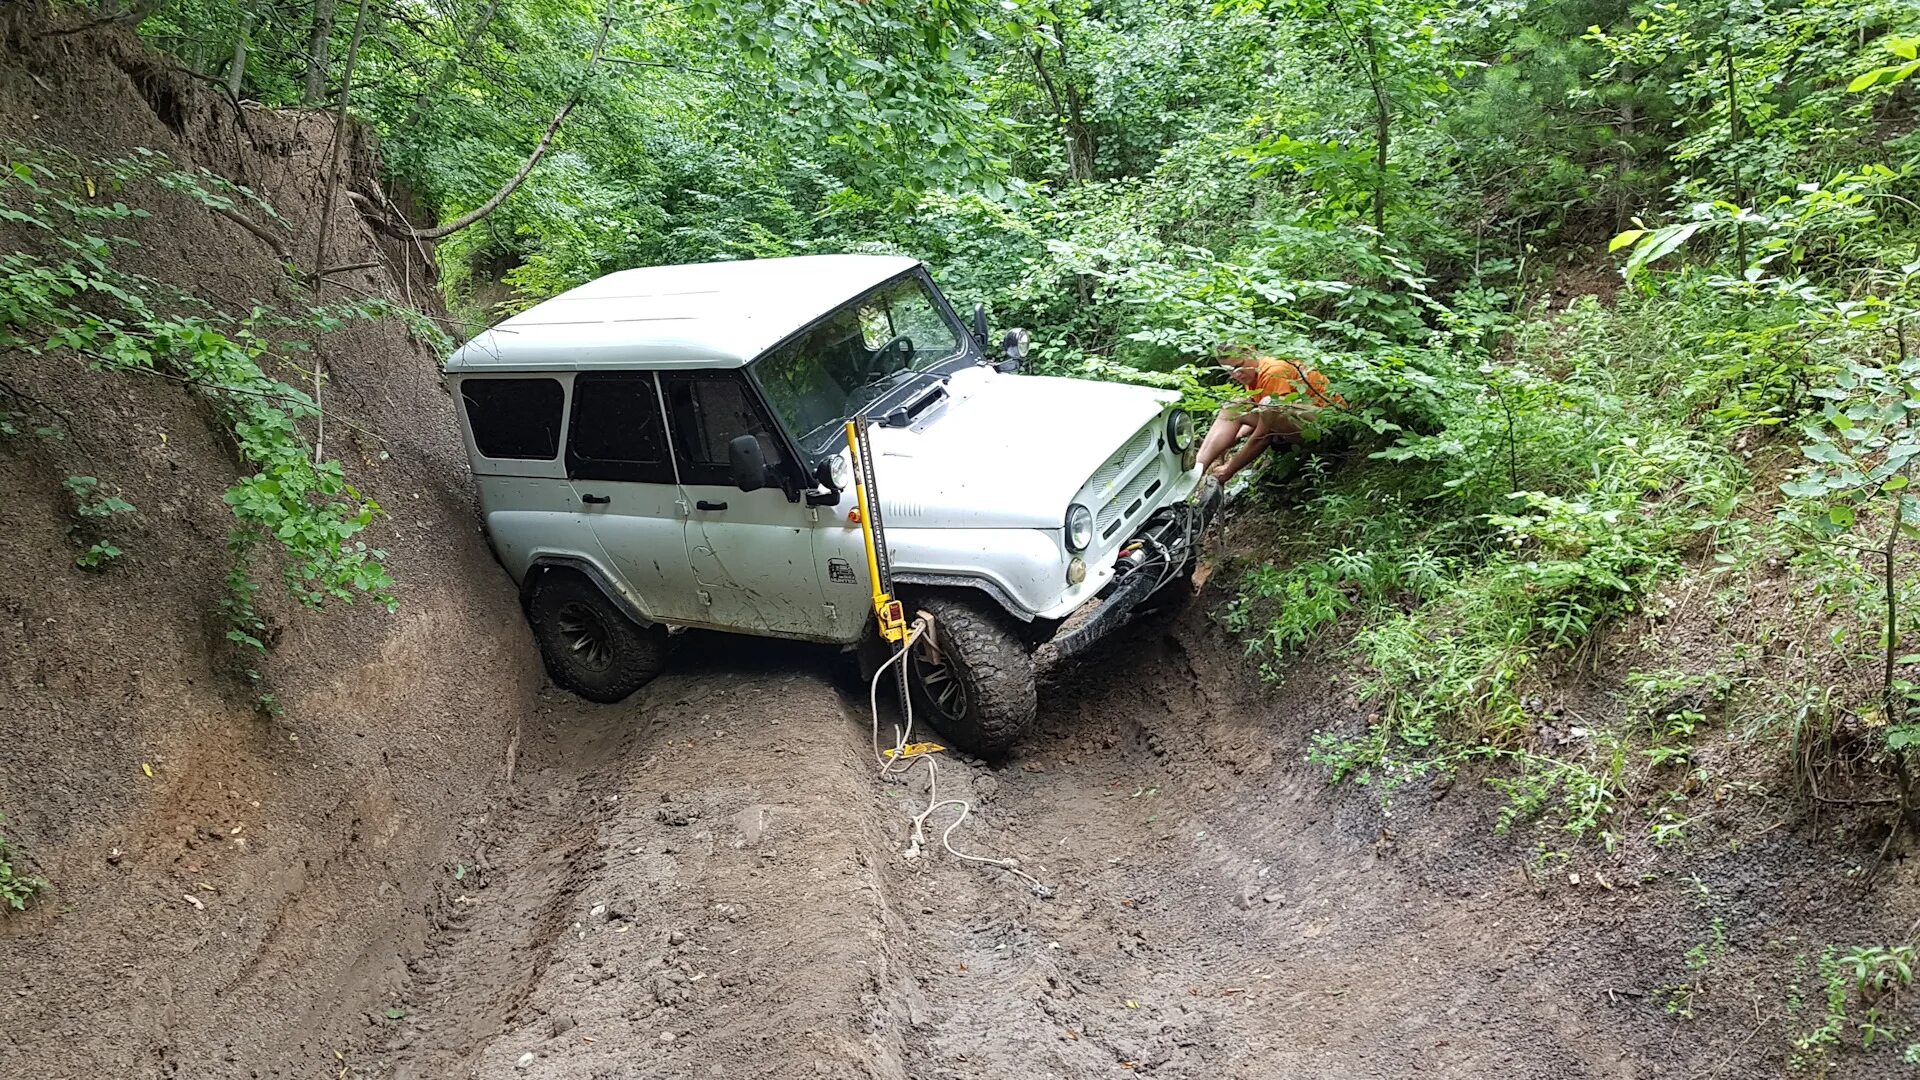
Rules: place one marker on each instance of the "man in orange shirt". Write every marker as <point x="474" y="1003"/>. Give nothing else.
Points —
<point x="1285" y="397"/>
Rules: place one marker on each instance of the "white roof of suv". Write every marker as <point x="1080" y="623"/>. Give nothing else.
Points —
<point x="700" y="315"/>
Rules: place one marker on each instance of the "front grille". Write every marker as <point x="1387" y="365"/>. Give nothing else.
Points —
<point x="1125" y="507"/>
<point x="1112" y="472"/>
<point x="1124" y="485"/>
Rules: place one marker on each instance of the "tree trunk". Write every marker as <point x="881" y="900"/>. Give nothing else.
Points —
<point x="1625" y="131"/>
<point x="1080" y="138"/>
<point x="1068" y="109"/>
<point x="1382" y="134"/>
<point x="319" y="52"/>
<point x="237" y="69"/>
<point x="1733" y="156"/>
<point x="339" y="137"/>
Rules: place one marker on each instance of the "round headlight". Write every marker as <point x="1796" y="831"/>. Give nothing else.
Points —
<point x="840" y="471"/>
<point x="1079" y="527"/>
<point x="1180" y="430"/>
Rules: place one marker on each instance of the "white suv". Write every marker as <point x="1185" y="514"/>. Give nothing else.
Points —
<point x="666" y="448"/>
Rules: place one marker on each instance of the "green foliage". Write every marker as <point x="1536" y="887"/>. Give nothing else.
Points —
<point x="15" y="888"/>
<point x="67" y="295"/>
<point x="1681" y="997"/>
<point x="94" y="509"/>
<point x="1400" y="193"/>
<point x="1860" y="987"/>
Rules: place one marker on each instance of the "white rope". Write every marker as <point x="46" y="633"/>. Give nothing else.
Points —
<point x="902" y="736"/>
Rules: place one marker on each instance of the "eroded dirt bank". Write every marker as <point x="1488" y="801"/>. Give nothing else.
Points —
<point x="228" y="891"/>
<point x="709" y="880"/>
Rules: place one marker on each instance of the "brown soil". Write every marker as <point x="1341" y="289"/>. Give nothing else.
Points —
<point x="429" y="868"/>
<point x="709" y="879"/>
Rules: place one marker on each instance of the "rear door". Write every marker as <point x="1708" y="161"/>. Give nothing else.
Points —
<point x="513" y="425"/>
<point x="623" y="478"/>
<point x="751" y="551"/>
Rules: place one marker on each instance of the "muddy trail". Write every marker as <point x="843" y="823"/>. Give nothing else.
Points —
<point x="709" y="879"/>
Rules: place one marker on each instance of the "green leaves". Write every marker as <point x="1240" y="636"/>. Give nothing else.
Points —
<point x="1903" y="47"/>
<point x="76" y="298"/>
<point x="1652" y="245"/>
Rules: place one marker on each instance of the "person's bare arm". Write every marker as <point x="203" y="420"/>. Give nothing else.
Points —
<point x="1244" y="456"/>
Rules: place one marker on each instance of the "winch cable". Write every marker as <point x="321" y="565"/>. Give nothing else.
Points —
<point x="890" y="616"/>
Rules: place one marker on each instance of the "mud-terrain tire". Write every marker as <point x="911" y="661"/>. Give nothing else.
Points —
<point x="981" y="698"/>
<point x="589" y="645"/>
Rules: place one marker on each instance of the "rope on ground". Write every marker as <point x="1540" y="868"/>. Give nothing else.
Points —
<point x="888" y="765"/>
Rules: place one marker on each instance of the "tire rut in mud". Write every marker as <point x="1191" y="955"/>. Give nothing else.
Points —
<point x="682" y="885"/>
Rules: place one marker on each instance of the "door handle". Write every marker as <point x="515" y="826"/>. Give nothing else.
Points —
<point x="707" y="504"/>
<point x="596" y="500"/>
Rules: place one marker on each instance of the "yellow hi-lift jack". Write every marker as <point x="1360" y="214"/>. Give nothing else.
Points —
<point x="886" y="610"/>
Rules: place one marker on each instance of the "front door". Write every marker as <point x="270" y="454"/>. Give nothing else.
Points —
<point x="751" y="551"/>
<point x="623" y="477"/>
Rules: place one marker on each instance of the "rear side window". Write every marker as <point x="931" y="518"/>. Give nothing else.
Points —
<point x="617" y="431"/>
<point x="514" y="418"/>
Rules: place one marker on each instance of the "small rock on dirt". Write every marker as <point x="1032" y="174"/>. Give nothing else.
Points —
<point x="1245" y="897"/>
<point x="526" y="1059"/>
<point x="562" y="1023"/>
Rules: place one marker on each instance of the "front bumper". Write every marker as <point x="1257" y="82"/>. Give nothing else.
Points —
<point x="1161" y="553"/>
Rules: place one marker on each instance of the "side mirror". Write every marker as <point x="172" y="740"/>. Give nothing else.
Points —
<point x="747" y="462"/>
<point x="980" y="324"/>
<point x="1015" y="346"/>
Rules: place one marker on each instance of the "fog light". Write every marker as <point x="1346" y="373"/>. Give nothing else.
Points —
<point x="1076" y="570"/>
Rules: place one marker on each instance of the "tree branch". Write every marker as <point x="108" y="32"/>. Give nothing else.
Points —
<point x="267" y="236"/>
<point x="539" y="151"/>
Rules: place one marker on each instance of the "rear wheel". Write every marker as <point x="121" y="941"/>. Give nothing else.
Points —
<point x="590" y="647"/>
<point x="973" y="678"/>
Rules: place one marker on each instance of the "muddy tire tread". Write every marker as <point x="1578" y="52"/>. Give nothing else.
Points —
<point x="639" y="653"/>
<point x="995" y="668"/>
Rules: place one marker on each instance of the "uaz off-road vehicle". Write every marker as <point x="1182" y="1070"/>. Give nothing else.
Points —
<point x="666" y="448"/>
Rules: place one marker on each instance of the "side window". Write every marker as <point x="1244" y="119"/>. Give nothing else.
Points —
<point x="617" y="433"/>
<point x="514" y="418"/>
<point x="709" y="411"/>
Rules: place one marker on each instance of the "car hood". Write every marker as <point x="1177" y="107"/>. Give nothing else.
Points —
<point x="1005" y="451"/>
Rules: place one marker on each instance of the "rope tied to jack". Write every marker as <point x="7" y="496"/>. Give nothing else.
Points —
<point x="894" y="627"/>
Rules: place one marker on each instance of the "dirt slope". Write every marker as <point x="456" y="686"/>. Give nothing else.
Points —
<point x="307" y="843"/>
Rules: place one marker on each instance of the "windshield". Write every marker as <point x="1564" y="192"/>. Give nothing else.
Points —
<point x="856" y="354"/>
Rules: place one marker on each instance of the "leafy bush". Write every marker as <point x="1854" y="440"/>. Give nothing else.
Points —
<point x="15" y="888"/>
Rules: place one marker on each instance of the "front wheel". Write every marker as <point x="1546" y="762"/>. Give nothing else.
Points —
<point x="974" y="677"/>
<point x="590" y="646"/>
